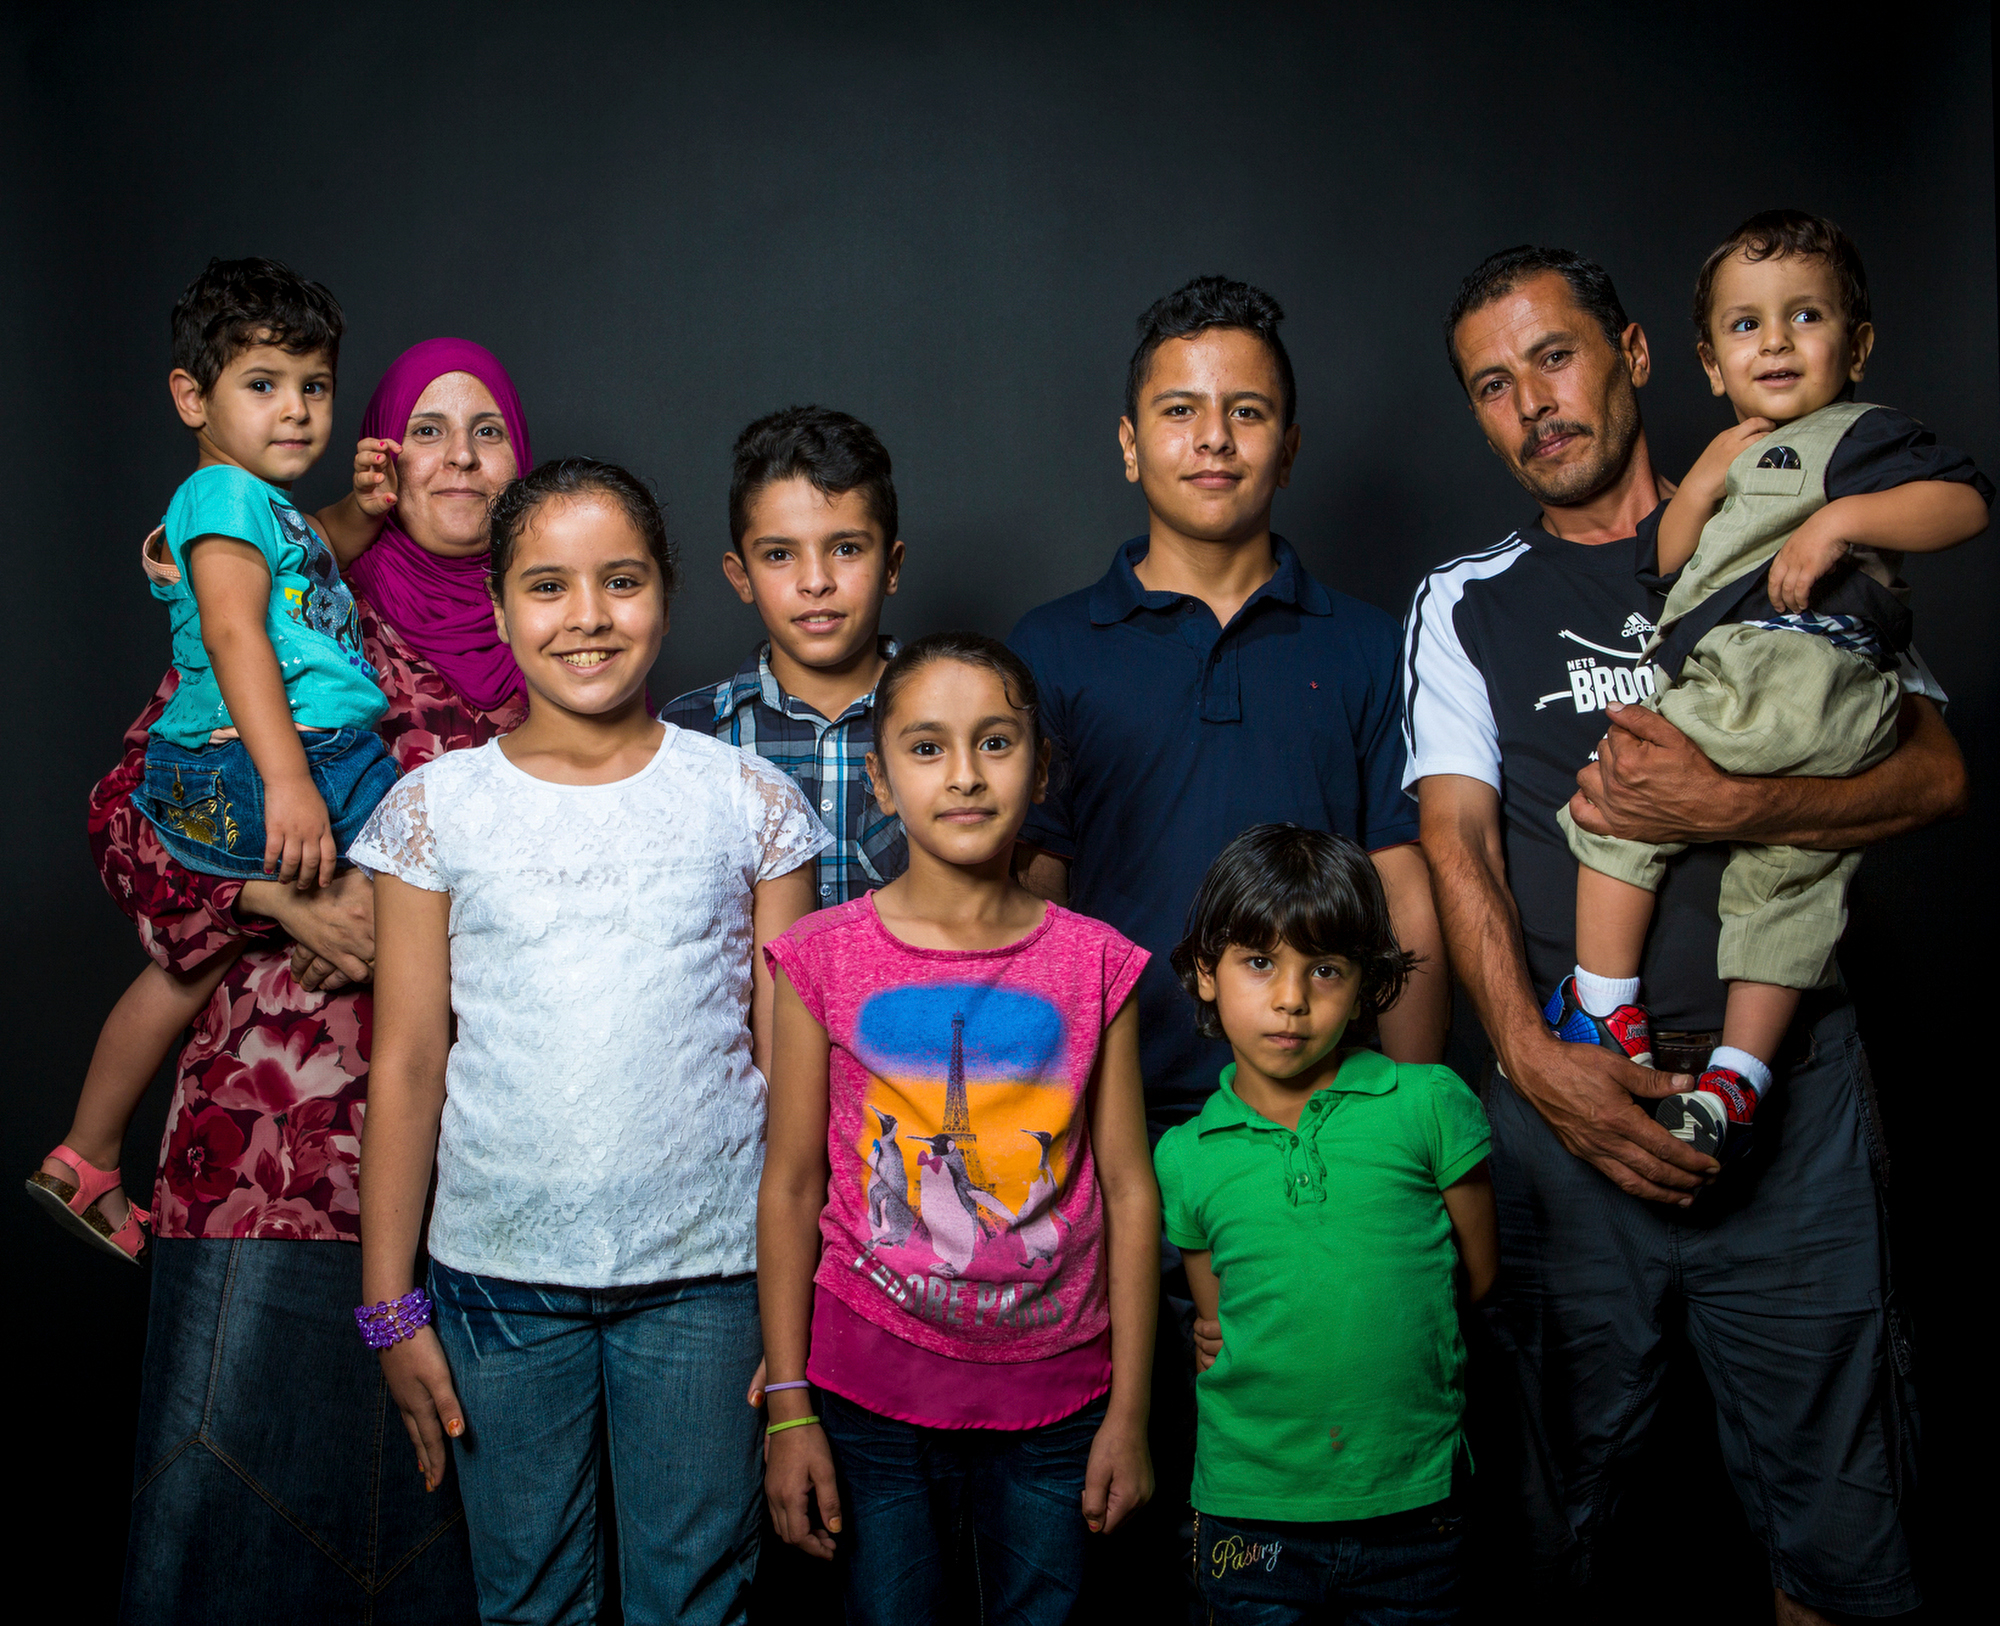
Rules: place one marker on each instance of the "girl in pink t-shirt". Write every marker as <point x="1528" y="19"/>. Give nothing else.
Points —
<point x="957" y="1237"/>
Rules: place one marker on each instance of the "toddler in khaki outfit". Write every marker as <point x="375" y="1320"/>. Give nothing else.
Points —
<point x="1777" y="648"/>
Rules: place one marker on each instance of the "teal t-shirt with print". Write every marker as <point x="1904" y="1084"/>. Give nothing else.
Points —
<point x="1339" y="1307"/>
<point x="312" y="622"/>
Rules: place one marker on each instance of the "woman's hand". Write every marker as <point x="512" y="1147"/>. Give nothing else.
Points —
<point x="798" y="1470"/>
<point x="375" y="476"/>
<point x="1119" y="1478"/>
<point x="420" y="1381"/>
<point x="334" y="927"/>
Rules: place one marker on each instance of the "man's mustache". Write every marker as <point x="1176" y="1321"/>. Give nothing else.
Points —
<point x="1549" y="431"/>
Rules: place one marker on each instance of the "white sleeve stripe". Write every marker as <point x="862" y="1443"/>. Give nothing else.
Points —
<point x="1430" y="767"/>
<point x="1448" y="722"/>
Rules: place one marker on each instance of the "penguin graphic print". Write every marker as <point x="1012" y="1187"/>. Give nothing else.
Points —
<point x="970" y="1074"/>
<point x="962" y="1204"/>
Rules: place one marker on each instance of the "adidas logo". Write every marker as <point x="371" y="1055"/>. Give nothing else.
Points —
<point x="1637" y="626"/>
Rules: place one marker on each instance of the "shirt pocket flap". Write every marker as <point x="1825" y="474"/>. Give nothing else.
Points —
<point x="1760" y="482"/>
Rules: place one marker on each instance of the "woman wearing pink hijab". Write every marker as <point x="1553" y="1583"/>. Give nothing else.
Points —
<point x="269" y="1482"/>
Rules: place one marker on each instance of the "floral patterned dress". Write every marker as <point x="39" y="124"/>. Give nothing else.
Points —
<point x="264" y="1134"/>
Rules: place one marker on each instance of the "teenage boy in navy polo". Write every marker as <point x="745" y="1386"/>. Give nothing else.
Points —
<point x="1208" y="683"/>
<point x="813" y="545"/>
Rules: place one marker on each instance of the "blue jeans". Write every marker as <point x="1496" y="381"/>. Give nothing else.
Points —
<point x="904" y="1490"/>
<point x="207" y="804"/>
<point x="1398" y="1570"/>
<point x="548" y="1377"/>
<point x="273" y="1480"/>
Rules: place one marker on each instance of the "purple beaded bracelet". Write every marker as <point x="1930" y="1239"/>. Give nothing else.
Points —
<point x="393" y="1320"/>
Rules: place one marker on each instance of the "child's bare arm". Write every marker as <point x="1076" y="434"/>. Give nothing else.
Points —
<point x="775" y="905"/>
<point x="399" y="1143"/>
<point x="1924" y="516"/>
<point x="1694" y="503"/>
<point x="1207" y="1290"/>
<point x="1475" y="1229"/>
<point x="798" y="1461"/>
<point x="1119" y="1477"/>
<point x="1680" y="529"/>
<point x="351" y="525"/>
<point x="232" y="586"/>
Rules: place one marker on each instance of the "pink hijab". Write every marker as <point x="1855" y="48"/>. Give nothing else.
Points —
<point x="439" y="606"/>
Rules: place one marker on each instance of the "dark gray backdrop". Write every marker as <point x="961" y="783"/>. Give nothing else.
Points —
<point x="669" y="221"/>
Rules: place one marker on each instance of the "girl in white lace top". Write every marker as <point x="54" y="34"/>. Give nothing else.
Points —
<point x="587" y="897"/>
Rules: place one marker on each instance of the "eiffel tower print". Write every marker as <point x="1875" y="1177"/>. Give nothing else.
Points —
<point x="957" y="1119"/>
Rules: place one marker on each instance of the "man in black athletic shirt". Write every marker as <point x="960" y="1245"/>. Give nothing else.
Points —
<point x="1520" y="660"/>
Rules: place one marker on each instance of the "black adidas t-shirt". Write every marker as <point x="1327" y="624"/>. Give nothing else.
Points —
<point x="1509" y="658"/>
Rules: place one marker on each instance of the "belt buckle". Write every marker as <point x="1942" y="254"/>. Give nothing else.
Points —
<point x="1678" y="1052"/>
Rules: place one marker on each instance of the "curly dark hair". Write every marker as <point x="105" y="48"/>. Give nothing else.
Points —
<point x="1283" y="883"/>
<point x="1777" y="234"/>
<point x="235" y="304"/>
<point x="562" y="478"/>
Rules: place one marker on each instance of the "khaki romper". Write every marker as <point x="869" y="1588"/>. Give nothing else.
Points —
<point x="1758" y="700"/>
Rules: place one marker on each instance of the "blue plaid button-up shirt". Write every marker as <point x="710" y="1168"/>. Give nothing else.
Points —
<point x="827" y="760"/>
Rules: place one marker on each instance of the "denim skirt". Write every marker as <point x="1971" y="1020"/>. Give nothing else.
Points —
<point x="208" y="803"/>
<point x="273" y="1480"/>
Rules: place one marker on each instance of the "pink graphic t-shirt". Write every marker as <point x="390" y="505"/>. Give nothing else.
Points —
<point x="962" y="1210"/>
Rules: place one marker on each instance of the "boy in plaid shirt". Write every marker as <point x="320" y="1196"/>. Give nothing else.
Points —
<point x="813" y="545"/>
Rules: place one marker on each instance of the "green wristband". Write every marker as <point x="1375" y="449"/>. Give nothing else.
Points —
<point x="796" y="1422"/>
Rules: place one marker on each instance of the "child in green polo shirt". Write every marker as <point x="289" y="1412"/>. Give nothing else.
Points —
<point x="1323" y="1201"/>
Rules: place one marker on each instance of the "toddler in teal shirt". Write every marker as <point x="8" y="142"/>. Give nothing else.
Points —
<point x="264" y="763"/>
<point x="1324" y="1202"/>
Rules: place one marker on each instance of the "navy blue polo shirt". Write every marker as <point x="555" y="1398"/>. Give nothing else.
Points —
<point x="1175" y="735"/>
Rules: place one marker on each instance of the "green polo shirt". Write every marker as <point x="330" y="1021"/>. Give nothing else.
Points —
<point x="1338" y="1302"/>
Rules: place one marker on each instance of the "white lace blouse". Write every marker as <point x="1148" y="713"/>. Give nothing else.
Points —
<point x="603" y="1122"/>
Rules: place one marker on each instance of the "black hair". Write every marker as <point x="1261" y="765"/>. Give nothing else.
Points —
<point x="235" y="304"/>
<point x="968" y="649"/>
<point x="1498" y="275"/>
<point x="1776" y="234"/>
<point x="1197" y="306"/>
<point x="565" y="478"/>
<point x="834" y="452"/>
<point x="1283" y="883"/>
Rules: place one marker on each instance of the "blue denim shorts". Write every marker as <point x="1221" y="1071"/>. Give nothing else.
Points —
<point x="208" y="803"/>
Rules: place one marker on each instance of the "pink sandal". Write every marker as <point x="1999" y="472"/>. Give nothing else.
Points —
<point x="74" y="1208"/>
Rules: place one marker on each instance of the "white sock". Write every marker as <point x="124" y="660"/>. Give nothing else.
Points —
<point x="1754" y="1072"/>
<point x="1600" y="996"/>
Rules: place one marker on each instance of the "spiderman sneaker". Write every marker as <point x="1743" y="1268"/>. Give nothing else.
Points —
<point x="1698" y="1119"/>
<point x="1626" y="1032"/>
<point x="1716" y="1114"/>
